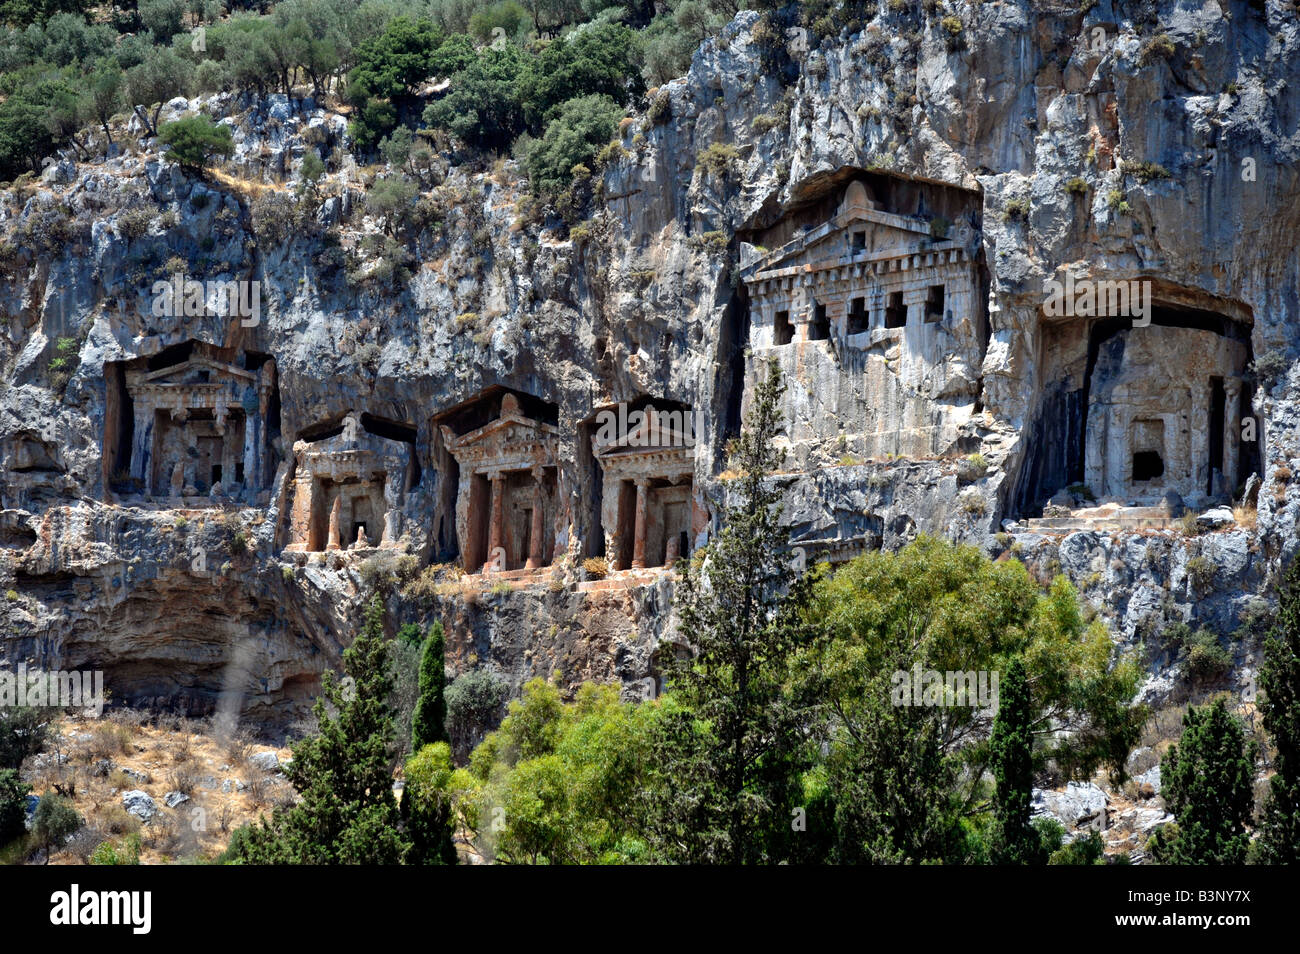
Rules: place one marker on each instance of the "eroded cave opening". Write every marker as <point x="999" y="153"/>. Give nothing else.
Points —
<point x="1135" y="408"/>
<point x="189" y="423"/>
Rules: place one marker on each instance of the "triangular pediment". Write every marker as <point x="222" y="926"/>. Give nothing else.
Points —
<point x="197" y="372"/>
<point x="508" y="428"/>
<point x="855" y="235"/>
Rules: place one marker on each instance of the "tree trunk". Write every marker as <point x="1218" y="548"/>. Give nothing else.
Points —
<point x="145" y="119"/>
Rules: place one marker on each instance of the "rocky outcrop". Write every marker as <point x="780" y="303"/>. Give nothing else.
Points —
<point x="1131" y="142"/>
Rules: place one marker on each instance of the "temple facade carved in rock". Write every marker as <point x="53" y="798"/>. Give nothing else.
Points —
<point x="876" y="321"/>
<point x="348" y="489"/>
<point x="649" y="514"/>
<point x="198" y="428"/>
<point x="509" y="512"/>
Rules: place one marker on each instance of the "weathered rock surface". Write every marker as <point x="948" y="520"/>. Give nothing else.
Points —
<point x="1043" y="121"/>
<point x="139" y="804"/>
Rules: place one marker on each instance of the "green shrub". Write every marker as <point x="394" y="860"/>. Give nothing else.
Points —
<point x="1077" y="186"/>
<point x="474" y="701"/>
<point x="1201" y="571"/>
<point x="1145" y="172"/>
<point x="572" y="140"/>
<point x="718" y="159"/>
<point x="483" y="106"/>
<point x="1206" y="656"/>
<point x="1159" y="46"/>
<point x="1087" y="850"/>
<point x="13" y="805"/>
<point x="195" y="141"/>
<point x="134" y="223"/>
<point x="1015" y="209"/>
<point x="126" y="853"/>
<point x="1270" y="366"/>
<point x="65" y="362"/>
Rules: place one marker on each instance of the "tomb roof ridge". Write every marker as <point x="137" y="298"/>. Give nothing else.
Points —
<point x="506" y="418"/>
<point x="199" y="361"/>
<point x="838" y="223"/>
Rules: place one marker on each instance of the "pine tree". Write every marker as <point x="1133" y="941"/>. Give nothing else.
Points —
<point x="429" y="724"/>
<point x="729" y="777"/>
<point x="1207" y="781"/>
<point x="1015" y="842"/>
<point x="347" y="813"/>
<point x="1279" y="682"/>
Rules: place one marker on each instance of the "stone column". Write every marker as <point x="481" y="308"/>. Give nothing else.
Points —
<point x="252" y="476"/>
<point x="497" y="524"/>
<point x="300" y="516"/>
<point x="638" y="542"/>
<point x="1231" y="432"/>
<point x="337" y="509"/>
<point x="537" y="531"/>
<point x="1198" y="457"/>
<point x="142" y="443"/>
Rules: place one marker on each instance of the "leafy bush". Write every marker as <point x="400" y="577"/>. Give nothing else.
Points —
<point x="474" y="700"/>
<point x="1270" y="366"/>
<point x="195" y="141"/>
<point x="389" y="66"/>
<point x="597" y="60"/>
<point x="572" y="139"/>
<point x="718" y="159"/>
<point x="1087" y="850"/>
<point x="1159" y="46"/>
<point x="1206" y="656"/>
<point x="126" y="853"/>
<point x="483" y="106"/>
<point x="1016" y="209"/>
<point x="392" y="200"/>
<point x="1144" y="172"/>
<point x="65" y="362"/>
<point x="54" y="821"/>
<point x="1201" y="571"/>
<point x="13" y="805"/>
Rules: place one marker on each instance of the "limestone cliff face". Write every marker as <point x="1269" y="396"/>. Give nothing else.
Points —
<point x="1139" y="142"/>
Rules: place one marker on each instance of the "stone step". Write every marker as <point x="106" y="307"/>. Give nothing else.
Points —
<point x="623" y="580"/>
<point x="1060" y="524"/>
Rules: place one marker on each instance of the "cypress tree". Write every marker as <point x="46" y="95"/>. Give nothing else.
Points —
<point x="1207" y="780"/>
<point x="1279" y="681"/>
<point x="429" y="723"/>
<point x="1011" y="745"/>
